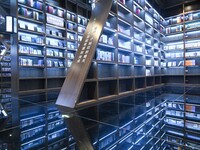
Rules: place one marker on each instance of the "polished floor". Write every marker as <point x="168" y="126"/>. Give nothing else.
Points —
<point x="161" y="118"/>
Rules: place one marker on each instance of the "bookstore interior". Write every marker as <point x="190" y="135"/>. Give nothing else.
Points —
<point x="99" y="75"/>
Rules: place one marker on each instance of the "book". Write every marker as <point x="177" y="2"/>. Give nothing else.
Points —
<point x="190" y="63"/>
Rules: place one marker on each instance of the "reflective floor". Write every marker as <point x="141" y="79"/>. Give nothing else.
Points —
<point x="162" y="118"/>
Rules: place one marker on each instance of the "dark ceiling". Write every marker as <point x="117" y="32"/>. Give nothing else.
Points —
<point x="168" y="7"/>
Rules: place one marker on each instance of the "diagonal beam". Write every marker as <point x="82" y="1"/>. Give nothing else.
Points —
<point x="75" y="79"/>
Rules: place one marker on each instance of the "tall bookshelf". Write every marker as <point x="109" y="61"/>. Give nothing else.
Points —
<point x="48" y="36"/>
<point x="182" y="53"/>
<point x="130" y="49"/>
<point x="6" y="109"/>
<point x="182" y="48"/>
<point x="129" y="55"/>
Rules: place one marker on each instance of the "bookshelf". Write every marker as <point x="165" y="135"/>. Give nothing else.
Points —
<point x="5" y="67"/>
<point x="6" y="110"/>
<point x="182" y="44"/>
<point x="182" y="117"/>
<point x="48" y="36"/>
<point x="129" y="50"/>
<point x="125" y="52"/>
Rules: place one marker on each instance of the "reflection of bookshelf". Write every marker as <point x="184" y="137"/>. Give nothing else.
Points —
<point x="5" y="80"/>
<point x="182" y="118"/>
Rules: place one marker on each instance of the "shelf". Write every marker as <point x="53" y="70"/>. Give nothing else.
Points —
<point x="31" y="55"/>
<point x="29" y="43"/>
<point x="56" y="37"/>
<point x="106" y="45"/>
<point x="53" y="26"/>
<point x="32" y="32"/>
<point x="29" y="19"/>
<point x="33" y="66"/>
<point x="56" y="47"/>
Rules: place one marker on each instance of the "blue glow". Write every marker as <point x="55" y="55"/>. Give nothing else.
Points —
<point x="107" y="135"/>
<point x="126" y="124"/>
<point x="113" y="147"/>
<point x="130" y="147"/>
<point x="138" y="18"/>
<point x="139" y="139"/>
<point x="126" y="138"/>
<point x="32" y="140"/>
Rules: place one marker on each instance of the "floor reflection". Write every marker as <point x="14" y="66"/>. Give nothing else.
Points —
<point x="162" y="118"/>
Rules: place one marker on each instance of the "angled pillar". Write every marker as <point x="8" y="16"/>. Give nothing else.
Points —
<point x="75" y="79"/>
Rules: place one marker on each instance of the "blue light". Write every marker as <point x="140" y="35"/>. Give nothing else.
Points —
<point x="107" y="135"/>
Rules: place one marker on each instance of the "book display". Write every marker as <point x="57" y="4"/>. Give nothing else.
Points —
<point x="137" y="50"/>
<point x="49" y="34"/>
<point x="6" y="110"/>
<point x="182" y="47"/>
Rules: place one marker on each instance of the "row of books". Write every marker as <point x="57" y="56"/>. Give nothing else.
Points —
<point x="181" y="63"/>
<point x="30" y="14"/>
<point x="55" y="63"/>
<point x="175" y="113"/>
<point x="56" y="43"/>
<point x="82" y="20"/>
<point x="5" y="64"/>
<point x="5" y="69"/>
<point x="148" y="72"/>
<point x="30" y="62"/>
<point x="70" y="55"/>
<point x="31" y="121"/>
<point x="51" y="52"/>
<point x="32" y="39"/>
<point x="54" y="32"/>
<point x="29" y="50"/>
<point x="123" y="58"/>
<point x="53" y="125"/>
<point x="174" y="55"/>
<point x="70" y="17"/>
<point x="55" y="11"/>
<point x="104" y="55"/>
<point x="148" y="62"/>
<point x="192" y="54"/>
<point x="180" y="55"/>
<point x="179" y="19"/>
<point x="31" y="133"/>
<point x="178" y="28"/>
<point x="5" y="90"/>
<point x="193" y="25"/>
<point x="81" y="29"/>
<point x="105" y="39"/>
<point x="29" y="26"/>
<point x="181" y="46"/>
<point x="175" y="63"/>
<point x="71" y="36"/>
<point x="173" y="121"/>
<point x="138" y="48"/>
<point x="71" y="45"/>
